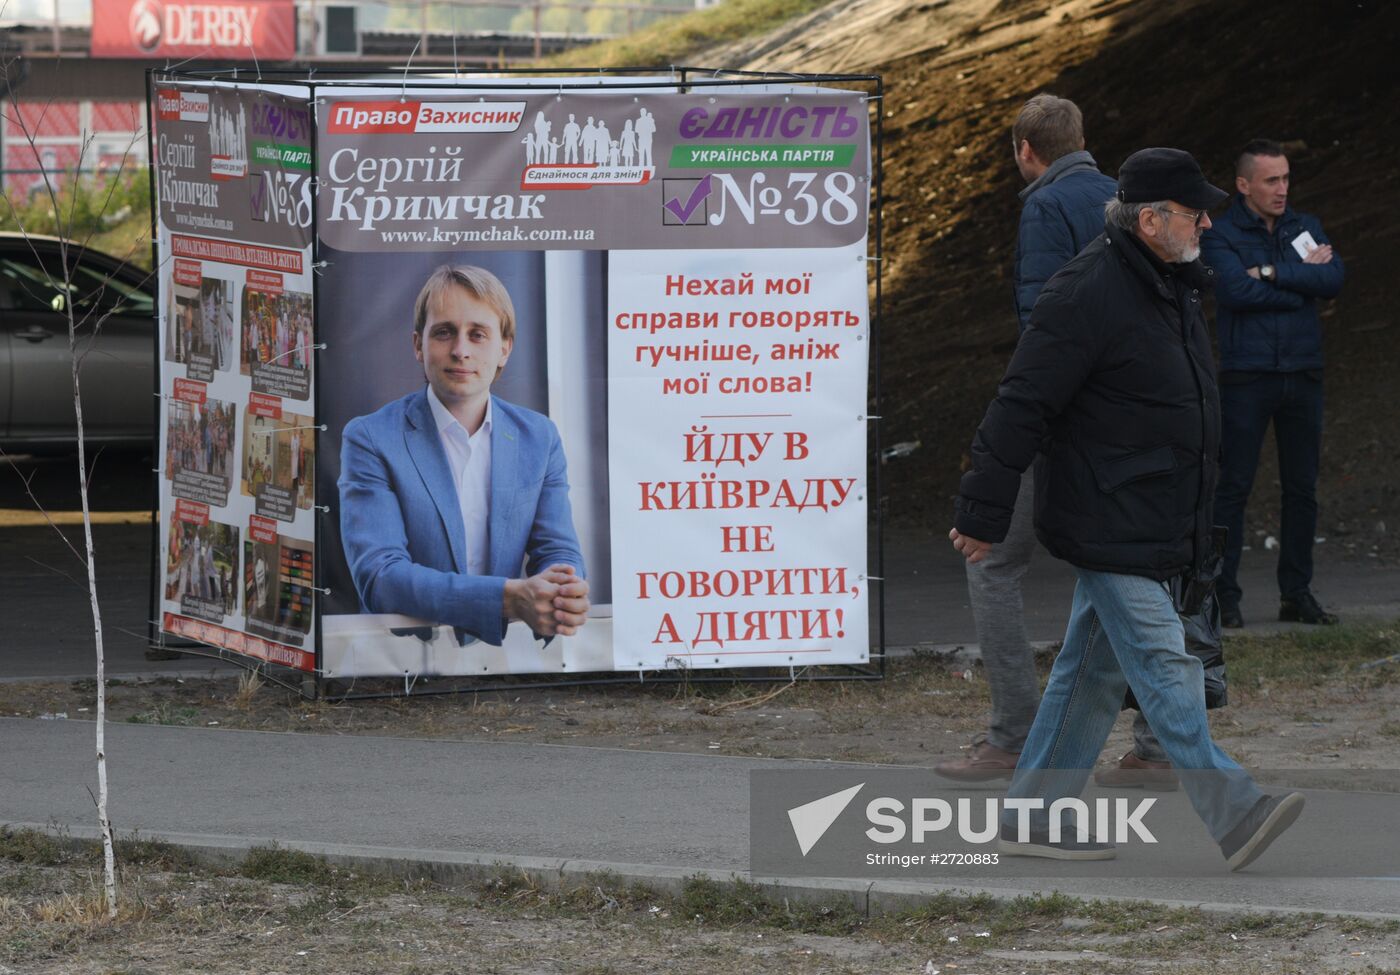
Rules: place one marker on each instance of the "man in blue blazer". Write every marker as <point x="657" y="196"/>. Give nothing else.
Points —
<point x="454" y="505"/>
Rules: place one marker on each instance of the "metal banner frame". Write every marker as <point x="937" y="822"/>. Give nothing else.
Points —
<point x="599" y="80"/>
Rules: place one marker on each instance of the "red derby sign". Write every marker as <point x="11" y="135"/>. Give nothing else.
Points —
<point x="226" y="29"/>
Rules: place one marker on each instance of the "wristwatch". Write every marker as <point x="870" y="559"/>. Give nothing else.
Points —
<point x="1266" y="272"/>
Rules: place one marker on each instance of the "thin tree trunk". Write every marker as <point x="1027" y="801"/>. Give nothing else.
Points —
<point x="109" y="869"/>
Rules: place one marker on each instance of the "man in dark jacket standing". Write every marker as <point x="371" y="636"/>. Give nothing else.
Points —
<point x="1272" y="264"/>
<point x="1062" y="211"/>
<point x="1113" y="385"/>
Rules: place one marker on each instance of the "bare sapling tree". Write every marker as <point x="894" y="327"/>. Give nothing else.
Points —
<point x="84" y="314"/>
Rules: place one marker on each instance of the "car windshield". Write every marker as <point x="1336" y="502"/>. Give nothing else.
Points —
<point x="26" y="286"/>
<point x="109" y="293"/>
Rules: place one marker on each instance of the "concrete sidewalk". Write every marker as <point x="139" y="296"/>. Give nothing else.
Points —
<point x="445" y="808"/>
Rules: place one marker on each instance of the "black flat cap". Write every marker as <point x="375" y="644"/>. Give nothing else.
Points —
<point x="1150" y="175"/>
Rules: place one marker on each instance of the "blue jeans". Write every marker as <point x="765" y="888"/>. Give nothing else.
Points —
<point x="1124" y="632"/>
<point x="994" y="592"/>
<point x="1248" y="401"/>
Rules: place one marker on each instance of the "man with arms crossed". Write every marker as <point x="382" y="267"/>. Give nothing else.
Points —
<point x="1113" y="386"/>
<point x="1062" y="211"/>
<point x="446" y="492"/>
<point x="1272" y="264"/>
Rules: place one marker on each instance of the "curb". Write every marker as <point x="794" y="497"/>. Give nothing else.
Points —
<point x="552" y="873"/>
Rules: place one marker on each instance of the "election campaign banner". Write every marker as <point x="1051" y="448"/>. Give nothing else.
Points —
<point x="237" y="450"/>
<point x="604" y="346"/>
<point x="230" y="30"/>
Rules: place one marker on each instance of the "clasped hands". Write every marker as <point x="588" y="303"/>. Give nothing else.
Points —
<point x="555" y="602"/>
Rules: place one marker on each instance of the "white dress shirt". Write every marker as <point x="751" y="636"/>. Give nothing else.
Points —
<point x="469" y="456"/>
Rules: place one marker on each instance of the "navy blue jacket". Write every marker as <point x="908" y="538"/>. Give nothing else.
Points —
<point x="1061" y="212"/>
<point x="1268" y="326"/>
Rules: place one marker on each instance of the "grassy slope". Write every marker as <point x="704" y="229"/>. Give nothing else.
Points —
<point x="674" y="40"/>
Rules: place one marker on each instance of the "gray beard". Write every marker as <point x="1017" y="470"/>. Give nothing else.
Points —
<point x="1184" y="253"/>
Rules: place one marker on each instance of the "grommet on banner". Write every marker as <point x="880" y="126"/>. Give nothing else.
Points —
<point x="324" y="592"/>
<point x="320" y="345"/>
<point x="323" y="428"/>
<point x="322" y="507"/>
<point x="317" y="265"/>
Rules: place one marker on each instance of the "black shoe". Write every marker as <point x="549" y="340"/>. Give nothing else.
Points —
<point x="1065" y="848"/>
<point x="1230" y="616"/>
<point x="1303" y="607"/>
<point x="1262" y="825"/>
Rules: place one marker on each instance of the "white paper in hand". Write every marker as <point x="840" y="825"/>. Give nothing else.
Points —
<point x="1304" y="244"/>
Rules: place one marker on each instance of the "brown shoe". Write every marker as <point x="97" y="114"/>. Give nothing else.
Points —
<point x="983" y="762"/>
<point x="1138" y="773"/>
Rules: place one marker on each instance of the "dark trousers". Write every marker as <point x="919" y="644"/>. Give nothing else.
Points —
<point x="1248" y="402"/>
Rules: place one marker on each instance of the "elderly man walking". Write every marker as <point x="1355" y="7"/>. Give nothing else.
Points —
<point x="1113" y="385"/>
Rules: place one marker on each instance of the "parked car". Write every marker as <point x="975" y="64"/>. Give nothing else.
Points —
<point x="118" y="372"/>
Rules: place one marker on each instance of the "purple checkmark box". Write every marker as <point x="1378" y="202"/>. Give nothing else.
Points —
<point x="683" y="211"/>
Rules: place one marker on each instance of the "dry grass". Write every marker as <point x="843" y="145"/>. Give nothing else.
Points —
<point x="88" y="909"/>
<point x="249" y="683"/>
<point x="302" y="915"/>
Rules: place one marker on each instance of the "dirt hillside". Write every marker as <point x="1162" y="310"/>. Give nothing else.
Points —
<point x="1204" y="75"/>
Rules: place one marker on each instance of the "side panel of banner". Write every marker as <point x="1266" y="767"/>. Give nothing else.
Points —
<point x="237" y="433"/>
<point x="663" y="299"/>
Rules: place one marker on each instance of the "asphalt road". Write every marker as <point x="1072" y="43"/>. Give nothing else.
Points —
<point x="45" y="614"/>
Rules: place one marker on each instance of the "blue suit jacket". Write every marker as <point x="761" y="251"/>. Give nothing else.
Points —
<point x="401" y="524"/>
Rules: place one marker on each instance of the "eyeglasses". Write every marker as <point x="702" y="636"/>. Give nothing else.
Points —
<point x="1196" y="215"/>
